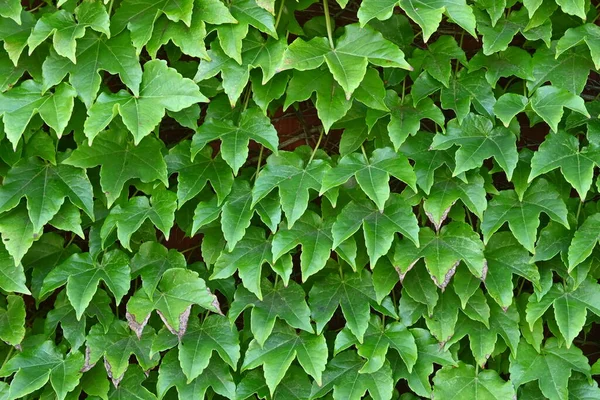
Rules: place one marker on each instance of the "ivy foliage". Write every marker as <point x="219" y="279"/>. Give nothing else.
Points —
<point x="295" y="199"/>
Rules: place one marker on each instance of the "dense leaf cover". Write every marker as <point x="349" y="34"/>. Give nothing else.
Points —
<point x="295" y="199"/>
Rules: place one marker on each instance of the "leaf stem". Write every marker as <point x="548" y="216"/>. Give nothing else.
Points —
<point x="279" y="13"/>
<point x="10" y="351"/>
<point x="260" y="156"/>
<point x="312" y="155"/>
<point x="328" y="23"/>
<point x="362" y="148"/>
<point x="110" y="6"/>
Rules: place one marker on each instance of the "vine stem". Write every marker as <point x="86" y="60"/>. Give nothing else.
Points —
<point x="362" y="148"/>
<point x="8" y="356"/>
<point x="316" y="147"/>
<point x="328" y="23"/>
<point x="110" y="6"/>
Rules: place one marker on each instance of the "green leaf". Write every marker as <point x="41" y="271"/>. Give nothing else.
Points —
<point x="314" y="235"/>
<point x="584" y="241"/>
<point x="466" y="89"/>
<point x="120" y="161"/>
<point x="569" y="307"/>
<point x="151" y="261"/>
<point x="437" y="60"/>
<point x="64" y="31"/>
<point x="343" y="377"/>
<point x="177" y="290"/>
<point x="12" y="320"/>
<point x="379" y="337"/>
<point x="428" y="15"/>
<point x="45" y="186"/>
<point x="588" y="34"/>
<point x="379" y="228"/>
<point x="196" y="347"/>
<point x="569" y="71"/>
<point x="162" y="88"/>
<point x="281" y="348"/>
<point x="294" y="177"/>
<point x="190" y="39"/>
<point x="447" y="190"/>
<point x="127" y="219"/>
<point x="11" y="9"/>
<point x="287" y="303"/>
<point x="548" y="102"/>
<point x="508" y="106"/>
<point x="20" y="104"/>
<point x="35" y="365"/>
<point x="372" y="174"/>
<point x="505" y="257"/>
<point x="552" y="367"/>
<point x="348" y="59"/>
<point x="131" y="386"/>
<point x="17" y="233"/>
<point x="513" y="61"/>
<point x="139" y="17"/>
<point x="523" y="215"/>
<point x="217" y="376"/>
<point x="234" y="138"/>
<point x="116" y="346"/>
<point x="351" y="292"/>
<point x="94" y="53"/>
<point x="561" y="150"/>
<point x="331" y="103"/>
<point x="453" y="383"/>
<point x="443" y="251"/>
<point x="82" y="274"/>
<point x="14" y="33"/>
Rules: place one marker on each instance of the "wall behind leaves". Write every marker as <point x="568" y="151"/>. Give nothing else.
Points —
<point x="284" y="199"/>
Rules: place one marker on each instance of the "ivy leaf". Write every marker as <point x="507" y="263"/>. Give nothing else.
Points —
<point x="177" y="290"/>
<point x="551" y="367"/>
<point x="379" y="228"/>
<point x="126" y="220"/>
<point x="139" y="17"/>
<point x="505" y="257"/>
<point x="513" y="61"/>
<point x="372" y="174"/>
<point x="17" y="234"/>
<point x="378" y="338"/>
<point x="120" y="161"/>
<point x="548" y="102"/>
<point x="569" y="307"/>
<point x="569" y="72"/>
<point x="65" y="31"/>
<point x="12" y="320"/>
<point x="94" y="53"/>
<point x="523" y="215"/>
<point x="478" y="140"/>
<point x="190" y="39"/>
<point x="217" y="376"/>
<point x="234" y="138"/>
<point x="192" y="176"/>
<point x="466" y="89"/>
<point x="343" y="377"/>
<point x="428" y="15"/>
<point x="352" y="293"/>
<point x="437" y="59"/>
<point x="196" y="347"/>
<point x="11" y="9"/>
<point x="281" y="348"/>
<point x="448" y="189"/>
<point x="452" y="383"/>
<point x="14" y="33"/>
<point x="116" y="346"/>
<point x="45" y="186"/>
<point x="508" y="106"/>
<point x="331" y="103"/>
<point x="588" y="34"/>
<point x="314" y="235"/>
<point x="561" y="150"/>
<point x="20" y="104"/>
<point x="429" y="353"/>
<point x="36" y="365"/>
<point x="131" y="386"/>
<point x="162" y="88"/>
<point x="584" y="241"/>
<point x="82" y="274"/>
<point x="151" y="261"/>
<point x="287" y="303"/>
<point x="348" y="59"/>
<point x="443" y="252"/>
<point x="294" y="177"/>
<point x="426" y="162"/>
